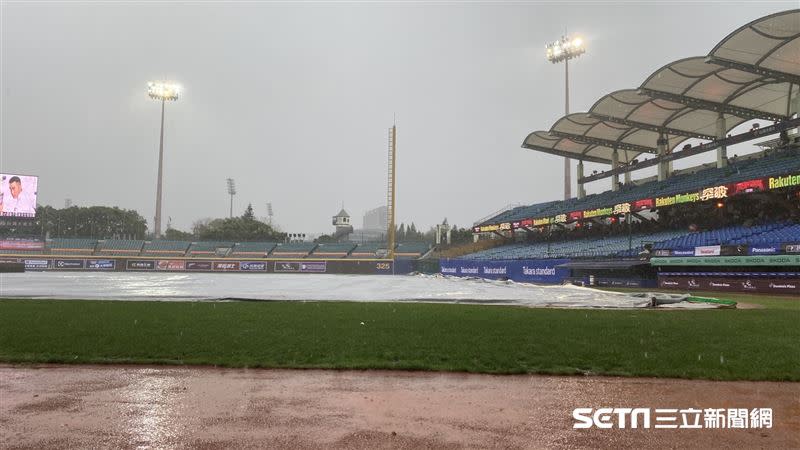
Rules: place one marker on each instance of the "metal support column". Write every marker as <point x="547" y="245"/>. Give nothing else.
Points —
<point x="722" y="151"/>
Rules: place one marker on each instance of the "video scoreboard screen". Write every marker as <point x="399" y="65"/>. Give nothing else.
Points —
<point x="18" y="195"/>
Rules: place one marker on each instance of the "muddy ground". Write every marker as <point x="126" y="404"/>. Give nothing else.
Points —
<point x="201" y="407"/>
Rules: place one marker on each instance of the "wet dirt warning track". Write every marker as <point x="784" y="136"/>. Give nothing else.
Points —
<point x="200" y="407"/>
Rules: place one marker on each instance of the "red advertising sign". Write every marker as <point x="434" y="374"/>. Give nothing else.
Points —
<point x="744" y="187"/>
<point x="168" y="264"/>
<point x="12" y="244"/>
<point x="645" y="203"/>
<point x="576" y="215"/>
<point x="526" y="223"/>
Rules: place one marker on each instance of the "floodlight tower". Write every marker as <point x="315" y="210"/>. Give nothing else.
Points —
<point x="163" y="91"/>
<point x="231" y="192"/>
<point x="564" y="49"/>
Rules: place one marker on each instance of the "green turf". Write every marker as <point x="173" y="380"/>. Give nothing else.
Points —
<point x="716" y="344"/>
<point x="787" y="302"/>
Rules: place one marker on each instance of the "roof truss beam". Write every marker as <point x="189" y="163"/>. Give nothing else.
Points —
<point x="783" y="76"/>
<point x="692" y="102"/>
<point x="739" y="138"/>
<point x="604" y="142"/>
<point x="650" y="127"/>
<point x="566" y="154"/>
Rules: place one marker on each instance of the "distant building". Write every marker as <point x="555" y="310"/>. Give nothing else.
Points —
<point x="343" y="227"/>
<point x="374" y="226"/>
<point x="376" y="219"/>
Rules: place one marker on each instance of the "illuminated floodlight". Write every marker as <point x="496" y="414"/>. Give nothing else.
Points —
<point x="566" y="48"/>
<point x="163" y="90"/>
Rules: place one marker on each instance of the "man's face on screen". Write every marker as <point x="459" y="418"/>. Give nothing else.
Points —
<point x="15" y="189"/>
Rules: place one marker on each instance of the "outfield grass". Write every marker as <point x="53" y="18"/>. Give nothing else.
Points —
<point x="761" y="344"/>
<point x="786" y="302"/>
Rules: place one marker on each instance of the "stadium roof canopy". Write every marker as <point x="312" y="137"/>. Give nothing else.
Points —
<point x="754" y="73"/>
<point x="768" y="46"/>
<point x="698" y="84"/>
<point x="572" y="148"/>
<point x="630" y="106"/>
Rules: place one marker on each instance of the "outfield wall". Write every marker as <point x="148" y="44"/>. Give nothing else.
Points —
<point x="286" y="265"/>
<point x="544" y="271"/>
<point x="756" y="282"/>
<point x="773" y="274"/>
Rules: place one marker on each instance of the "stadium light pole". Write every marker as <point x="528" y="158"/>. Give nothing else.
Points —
<point x="231" y="192"/>
<point x="163" y="91"/>
<point x="564" y="49"/>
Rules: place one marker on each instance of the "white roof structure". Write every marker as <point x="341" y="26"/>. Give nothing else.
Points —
<point x="630" y="106"/>
<point x="769" y="46"/>
<point x="754" y="73"/>
<point x="694" y="82"/>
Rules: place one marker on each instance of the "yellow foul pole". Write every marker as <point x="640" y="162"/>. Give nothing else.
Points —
<point x="391" y="190"/>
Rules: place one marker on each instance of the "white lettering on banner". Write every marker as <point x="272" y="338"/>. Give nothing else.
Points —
<point x="470" y="270"/>
<point x="764" y="250"/>
<point x="783" y="286"/>
<point x="449" y="270"/>
<point x="494" y="271"/>
<point x="538" y="270"/>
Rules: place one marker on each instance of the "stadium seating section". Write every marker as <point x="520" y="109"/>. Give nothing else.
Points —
<point x="73" y="246"/>
<point x="333" y="250"/>
<point x="166" y="248"/>
<point x="252" y="249"/>
<point x="741" y="170"/>
<point x="411" y="250"/>
<point x="209" y="249"/>
<point x="119" y="247"/>
<point x="367" y="250"/>
<point x="624" y="246"/>
<point x="294" y="250"/>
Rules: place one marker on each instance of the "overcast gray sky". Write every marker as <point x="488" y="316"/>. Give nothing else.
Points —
<point x="294" y="101"/>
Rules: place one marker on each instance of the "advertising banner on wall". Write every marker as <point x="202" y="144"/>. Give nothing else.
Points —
<point x="791" y="248"/>
<point x="140" y="264"/>
<point x="708" y="250"/>
<point x="171" y="264"/>
<point x="733" y="250"/>
<point x="764" y="250"/>
<point x="313" y="267"/>
<point x="530" y="271"/>
<point x="198" y="265"/>
<point x="287" y="266"/>
<point x="766" y="260"/>
<point x="730" y="284"/>
<point x="226" y="265"/>
<point x="101" y="264"/>
<point x="253" y="266"/>
<point x="37" y="264"/>
<point x="69" y="264"/>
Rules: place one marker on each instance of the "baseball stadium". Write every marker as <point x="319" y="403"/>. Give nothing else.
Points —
<point x="680" y="289"/>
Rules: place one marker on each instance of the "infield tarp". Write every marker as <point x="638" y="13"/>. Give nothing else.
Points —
<point x="313" y="287"/>
<point x="544" y="271"/>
